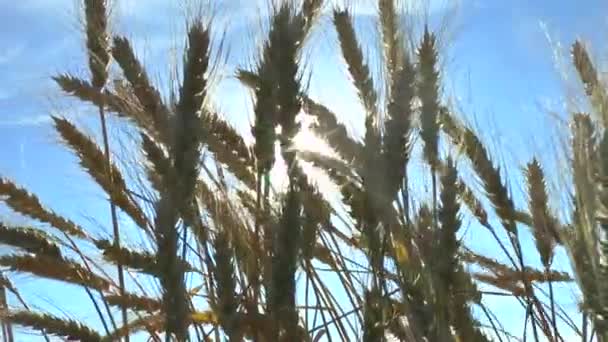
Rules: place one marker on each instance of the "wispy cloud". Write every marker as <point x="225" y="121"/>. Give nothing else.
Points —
<point x="22" y="161"/>
<point x="26" y="121"/>
<point x="10" y="53"/>
<point x="43" y="4"/>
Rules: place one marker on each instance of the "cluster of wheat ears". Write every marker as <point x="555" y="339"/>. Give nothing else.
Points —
<point x="235" y="259"/>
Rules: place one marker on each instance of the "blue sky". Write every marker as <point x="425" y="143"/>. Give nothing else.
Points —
<point x="499" y="67"/>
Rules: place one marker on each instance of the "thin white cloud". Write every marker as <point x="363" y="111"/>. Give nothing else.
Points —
<point x="138" y="7"/>
<point x="22" y="161"/>
<point x="370" y="7"/>
<point x="43" y="4"/>
<point x="10" y="53"/>
<point x="26" y="121"/>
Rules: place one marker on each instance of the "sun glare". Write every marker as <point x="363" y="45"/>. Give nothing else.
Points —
<point x="305" y="141"/>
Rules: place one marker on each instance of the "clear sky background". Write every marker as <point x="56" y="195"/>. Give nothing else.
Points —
<point x="499" y="61"/>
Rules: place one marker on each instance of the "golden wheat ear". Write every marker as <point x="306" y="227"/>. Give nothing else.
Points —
<point x="327" y="125"/>
<point x="143" y="261"/>
<point x="227" y="304"/>
<point x="583" y="237"/>
<point x="311" y="10"/>
<point x="400" y="75"/>
<point x="79" y="88"/>
<point x="450" y="223"/>
<point x="509" y="274"/>
<point x="29" y="239"/>
<point x="372" y="198"/>
<point x="228" y="220"/>
<point x="353" y="56"/>
<point x="602" y="218"/>
<point x="143" y="89"/>
<point x="185" y="148"/>
<point x="588" y="75"/>
<point x="470" y="200"/>
<point x="285" y="40"/>
<point x="120" y="101"/>
<point x="316" y="213"/>
<point x="493" y="185"/>
<point x="277" y="87"/>
<point x="53" y="268"/>
<point x="53" y="325"/>
<point x="158" y="166"/>
<point x="584" y="66"/>
<point x="139" y="260"/>
<point x="92" y="160"/>
<point x="134" y="302"/>
<point x="278" y="101"/>
<point x="25" y="203"/>
<point x="359" y="71"/>
<point x="263" y="127"/>
<point x="228" y="147"/>
<point x="179" y="171"/>
<point x="584" y="167"/>
<point x="97" y="41"/>
<point x="282" y="300"/>
<point x="428" y="91"/>
<point x="398" y="127"/>
<point x="336" y="134"/>
<point x="544" y="226"/>
<point x="389" y="26"/>
<point x="443" y="260"/>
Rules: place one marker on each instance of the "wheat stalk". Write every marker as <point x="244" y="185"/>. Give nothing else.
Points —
<point x="99" y="58"/>
<point x="184" y="155"/>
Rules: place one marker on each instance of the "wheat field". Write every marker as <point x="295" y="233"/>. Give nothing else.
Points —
<point x="204" y="240"/>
